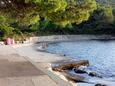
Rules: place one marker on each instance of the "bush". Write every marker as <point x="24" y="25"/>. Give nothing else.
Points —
<point x="6" y="31"/>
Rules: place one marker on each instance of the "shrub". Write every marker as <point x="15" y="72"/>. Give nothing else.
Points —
<point x="6" y="31"/>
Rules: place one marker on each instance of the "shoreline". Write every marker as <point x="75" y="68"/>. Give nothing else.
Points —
<point x="46" y="57"/>
<point x="67" y="38"/>
<point x="45" y="61"/>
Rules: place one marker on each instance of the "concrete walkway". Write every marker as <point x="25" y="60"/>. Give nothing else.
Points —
<point x="26" y="67"/>
<point x="17" y="71"/>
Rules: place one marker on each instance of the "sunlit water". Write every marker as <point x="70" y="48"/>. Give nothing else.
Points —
<point x="101" y="55"/>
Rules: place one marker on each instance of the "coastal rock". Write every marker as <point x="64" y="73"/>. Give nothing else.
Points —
<point x="69" y="65"/>
<point x="79" y="71"/>
<point x="100" y="85"/>
<point x="82" y="67"/>
<point x="94" y="74"/>
<point x="73" y="77"/>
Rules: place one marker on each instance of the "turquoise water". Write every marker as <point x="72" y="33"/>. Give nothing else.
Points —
<point x="101" y="55"/>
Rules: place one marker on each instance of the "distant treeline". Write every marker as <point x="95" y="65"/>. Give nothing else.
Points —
<point x="101" y="21"/>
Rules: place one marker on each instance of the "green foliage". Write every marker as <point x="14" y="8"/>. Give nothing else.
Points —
<point x="76" y="11"/>
<point x="105" y="13"/>
<point x="34" y="27"/>
<point x="101" y="22"/>
<point x="54" y="16"/>
<point x="50" y="6"/>
<point x="2" y="20"/>
<point x="61" y="12"/>
<point x="6" y="31"/>
<point x="29" y="20"/>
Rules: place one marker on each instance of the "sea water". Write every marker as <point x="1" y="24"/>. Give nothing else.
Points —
<point x="100" y="53"/>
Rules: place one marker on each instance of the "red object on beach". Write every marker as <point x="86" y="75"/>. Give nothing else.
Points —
<point x="8" y="41"/>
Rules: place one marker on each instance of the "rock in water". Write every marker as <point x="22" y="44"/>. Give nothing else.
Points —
<point x="73" y="77"/>
<point x="82" y="67"/>
<point x="69" y="65"/>
<point x="92" y="74"/>
<point x="79" y="71"/>
<point x="100" y="85"/>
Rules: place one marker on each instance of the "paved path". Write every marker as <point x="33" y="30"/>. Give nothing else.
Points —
<point x="33" y="53"/>
<point x="27" y="67"/>
<point x="41" y="59"/>
<point x="15" y="70"/>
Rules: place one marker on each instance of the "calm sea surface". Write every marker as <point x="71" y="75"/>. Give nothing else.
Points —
<point x="101" y="55"/>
